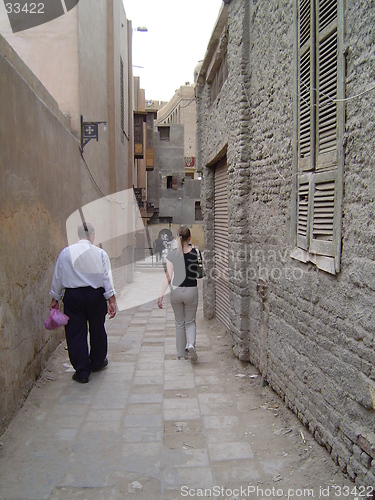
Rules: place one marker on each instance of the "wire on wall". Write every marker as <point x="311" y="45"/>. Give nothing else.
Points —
<point x="91" y="176"/>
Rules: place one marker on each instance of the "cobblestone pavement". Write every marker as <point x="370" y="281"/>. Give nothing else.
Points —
<point x="150" y="426"/>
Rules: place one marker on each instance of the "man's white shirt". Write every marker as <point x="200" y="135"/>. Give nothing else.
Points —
<point x="79" y="265"/>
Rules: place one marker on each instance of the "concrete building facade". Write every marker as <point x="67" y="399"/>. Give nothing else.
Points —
<point x="285" y="106"/>
<point x="172" y="196"/>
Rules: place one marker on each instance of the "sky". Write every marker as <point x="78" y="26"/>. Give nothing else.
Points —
<point x="176" y="40"/>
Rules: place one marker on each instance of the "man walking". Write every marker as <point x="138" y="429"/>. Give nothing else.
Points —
<point x="159" y="247"/>
<point x="83" y="271"/>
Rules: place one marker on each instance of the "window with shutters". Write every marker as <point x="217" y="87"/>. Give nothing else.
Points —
<point x="320" y="126"/>
<point x="122" y="99"/>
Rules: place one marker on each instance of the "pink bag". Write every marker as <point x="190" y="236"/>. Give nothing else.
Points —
<point x="55" y="319"/>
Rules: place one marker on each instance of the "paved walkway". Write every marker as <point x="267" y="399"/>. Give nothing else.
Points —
<point x="153" y="427"/>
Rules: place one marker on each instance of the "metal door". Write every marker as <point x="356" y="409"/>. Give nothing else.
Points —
<point x="221" y="243"/>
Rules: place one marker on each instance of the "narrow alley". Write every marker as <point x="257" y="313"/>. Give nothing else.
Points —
<point x="150" y="426"/>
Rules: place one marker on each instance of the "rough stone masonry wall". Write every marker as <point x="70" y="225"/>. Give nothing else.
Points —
<point x="317" y="330"/>
<point x="226" y="121"/>
<point x="310" y="333"/>
<point x="40" y="187"/>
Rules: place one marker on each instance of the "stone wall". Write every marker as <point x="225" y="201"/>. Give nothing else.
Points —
<point x="40" y="186"/>
<point x="310" y="333"/>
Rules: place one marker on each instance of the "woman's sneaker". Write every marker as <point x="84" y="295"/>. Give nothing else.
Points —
<point x="192" y="352"/>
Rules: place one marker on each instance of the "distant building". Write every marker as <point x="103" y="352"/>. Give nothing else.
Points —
<point x="173" y="187"/>
<point x="181" y="109"/>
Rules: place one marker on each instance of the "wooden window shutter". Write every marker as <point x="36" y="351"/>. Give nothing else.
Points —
<point x="122" y="98"/>
<point x="327" y="83"/>
<point x="322" y="231"/>
<point x="150" y="141"/>
<point x="320" y="131"/>
<point x="303" y="213"/>
<point x="325" y="223"/>
<point x="305" y="139"/>
<point x="138" y="135"/>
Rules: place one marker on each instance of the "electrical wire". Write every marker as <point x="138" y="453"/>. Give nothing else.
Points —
<point x="91" y="175"/>
<point x="327" y="97"/>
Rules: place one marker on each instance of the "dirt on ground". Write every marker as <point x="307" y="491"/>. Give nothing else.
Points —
<point x="274" y="432"/>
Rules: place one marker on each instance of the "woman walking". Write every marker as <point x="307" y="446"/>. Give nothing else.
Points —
<point x="182" y="266"/>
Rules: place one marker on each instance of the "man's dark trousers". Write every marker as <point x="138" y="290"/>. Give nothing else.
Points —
<point x="86" y="306"/>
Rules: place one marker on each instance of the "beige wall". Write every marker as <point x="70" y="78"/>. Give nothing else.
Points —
<point x="93" y="91"/>
<point x="140" y="164"/>
<point x="43" y="176"/>
<point x="40" y="186"/>
<point x="77" y="58"/>
<point x="103" y="39"/>
<point x="50" y="51"/>
<point x="124" y="142"/>
<point x="121" y="144"/>
<point x="182" y="109"/>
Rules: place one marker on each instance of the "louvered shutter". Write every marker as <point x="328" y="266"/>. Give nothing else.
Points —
<point x="222" y="303"/>
<point x="323" y="222"/>
<point x="323" y="213"/>
<point x="303" y="221"/>
<point x="320" y="127"/>
<point x="305" y="141"/>
<point x="327" y="81"/>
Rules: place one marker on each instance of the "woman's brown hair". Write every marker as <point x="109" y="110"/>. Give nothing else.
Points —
<point x="184" y="234"/>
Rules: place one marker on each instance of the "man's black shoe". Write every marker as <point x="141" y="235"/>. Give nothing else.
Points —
<point x="103" y="365"/>
<point x="81" y="380"/>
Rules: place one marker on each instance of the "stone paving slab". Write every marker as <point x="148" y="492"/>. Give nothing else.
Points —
<point x="149" y="426"/>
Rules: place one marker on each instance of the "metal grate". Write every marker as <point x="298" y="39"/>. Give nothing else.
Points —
<point x="222" y="304"/>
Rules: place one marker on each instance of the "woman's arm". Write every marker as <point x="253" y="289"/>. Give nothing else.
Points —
<point x="166" y="282"/>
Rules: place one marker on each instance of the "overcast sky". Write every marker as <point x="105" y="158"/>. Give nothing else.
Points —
<point x="177" y="38"/>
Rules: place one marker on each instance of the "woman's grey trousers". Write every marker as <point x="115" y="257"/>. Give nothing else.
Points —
<point x="184" y="302"/>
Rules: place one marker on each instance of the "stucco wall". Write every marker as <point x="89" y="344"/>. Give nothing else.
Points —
<point x="93" y="90"/>
<point x="40" y="187"/>
<point x="310" y="333"/>
<point x="103" y="38"/>
<point x="51" y="52"/>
